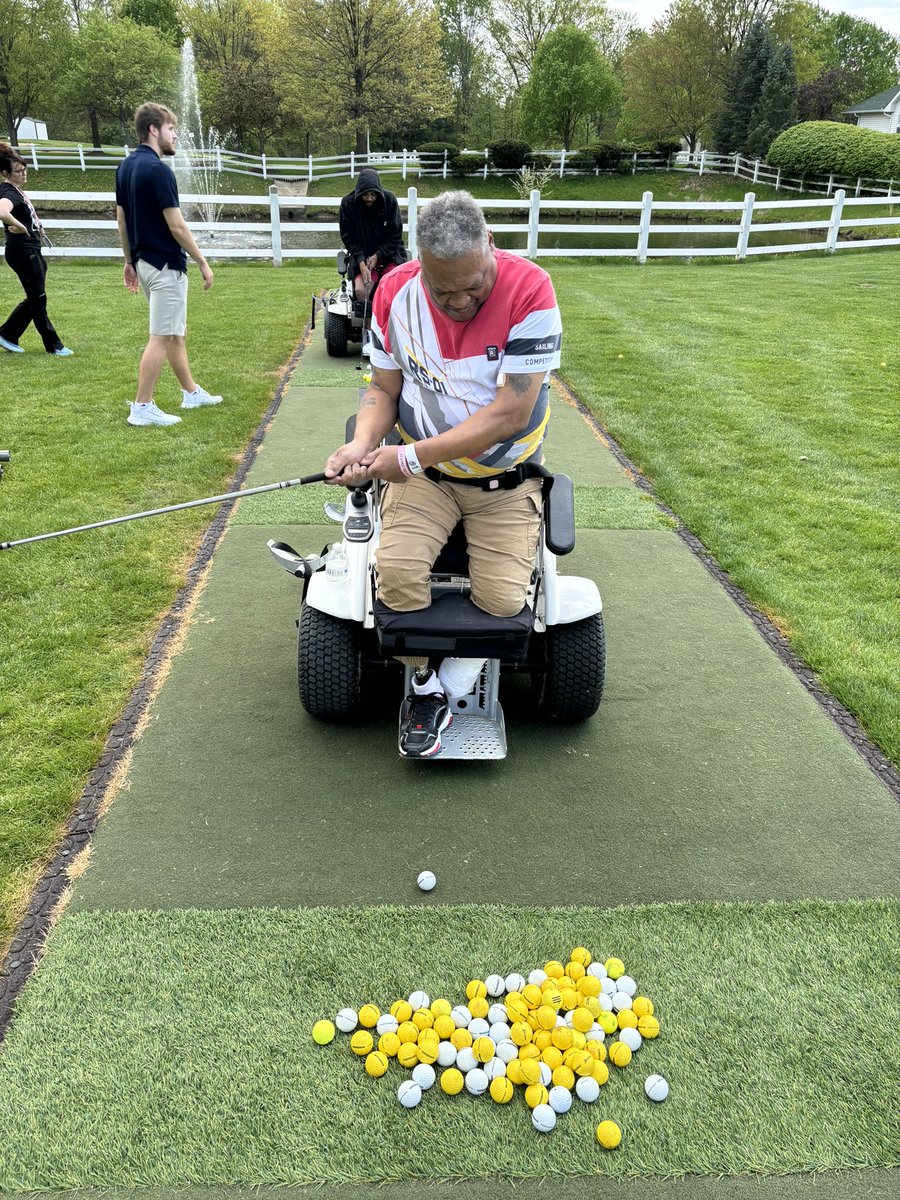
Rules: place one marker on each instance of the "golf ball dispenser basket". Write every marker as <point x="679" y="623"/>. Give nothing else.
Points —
<point x="348" y="638"/>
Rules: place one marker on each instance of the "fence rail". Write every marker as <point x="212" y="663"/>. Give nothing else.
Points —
<point x="409" y="162"/>
<point x="652" y="220"/>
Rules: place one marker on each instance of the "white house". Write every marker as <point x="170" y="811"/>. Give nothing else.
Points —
<point x="30" y="130"/>
<point x="881" y="112"/>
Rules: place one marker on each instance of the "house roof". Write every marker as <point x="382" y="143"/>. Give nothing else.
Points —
<point x="883" y="102"/>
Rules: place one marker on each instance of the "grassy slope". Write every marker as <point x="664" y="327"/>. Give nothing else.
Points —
<point x="761" y="401"/>
<point x="80" y="612"/>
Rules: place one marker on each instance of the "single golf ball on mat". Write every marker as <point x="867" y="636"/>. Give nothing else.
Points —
<point x="323" y="1032"/>
<point x="409" y="1093"/>
<point x="543" y="1118"/>
<point x="346" y="1020"/>
<point x="656" y="1088"/>
<point x="609" y="1135"/>
<point x="426" y="880"/>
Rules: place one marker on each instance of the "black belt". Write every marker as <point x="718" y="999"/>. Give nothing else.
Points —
<point x="503" y="482"/>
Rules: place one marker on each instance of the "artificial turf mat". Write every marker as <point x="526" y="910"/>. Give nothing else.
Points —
<point x="171" y="1048"/>
<point x="595" y="508"/>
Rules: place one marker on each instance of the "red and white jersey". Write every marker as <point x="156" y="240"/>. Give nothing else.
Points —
<point x="450" y="368"/>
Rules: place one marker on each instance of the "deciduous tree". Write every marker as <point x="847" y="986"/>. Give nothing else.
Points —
<point x="570" y="82"/>
<point x="33" y="41"/>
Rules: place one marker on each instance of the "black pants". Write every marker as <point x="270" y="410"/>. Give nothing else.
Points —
<point x="29" y="265"/>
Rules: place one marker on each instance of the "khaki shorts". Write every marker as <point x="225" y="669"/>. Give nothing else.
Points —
<point x="502" y="530"/>
<point x="167" y="292"/>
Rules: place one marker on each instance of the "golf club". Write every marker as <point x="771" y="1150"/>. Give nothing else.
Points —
<point x="156" y="512"/>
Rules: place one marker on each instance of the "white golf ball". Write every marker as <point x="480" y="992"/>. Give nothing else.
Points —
<point x="608" y="987"/>
<point x="495" y="984"/>
<point x="596" y="969"/>
<point x="477" y="1083"/>
<point x="605" y="1002"/>
<point x="631" y="1038"/>
<point x="461" y="1016"/>
<point x="507" y="1050"/>
<point x="426" y="880"/>
<point x="620" y="1000"/>
<point x="543" y="1118"/>
<point x="499" y="1032"/>
<point x="626" y="984"/>
<point x="546" y="1074"/>
<point x="537" y="976"/>
<point x="560" y="1099"/>
<point x="409" y="1093"/>
<point x="419" y="1000"/>
<point x="386" y="1024"/>
<point x="497" y="1012"/>
<point x="478" y="1027"/>
<point x="446" y="1054"/>
<point x="594" y="1034"/>
<point x="346" y="1020"/>
<point x="656" y="1088"/>
<point x="424" y="1076"/>
<point x="587" y="1089"/>
<point x="515" y="982"/>
<point x="494" y="1068"/>
<point x="466" y="1060"/>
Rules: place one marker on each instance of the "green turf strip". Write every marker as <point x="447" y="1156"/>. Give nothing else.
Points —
<point x="595" y="508"/>
<point x="171" y="1048"/>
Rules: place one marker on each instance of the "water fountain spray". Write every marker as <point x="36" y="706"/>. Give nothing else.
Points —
<point x="198" y="161"/>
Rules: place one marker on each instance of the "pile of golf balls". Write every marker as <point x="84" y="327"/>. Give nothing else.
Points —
<point x="545" y="1034"/>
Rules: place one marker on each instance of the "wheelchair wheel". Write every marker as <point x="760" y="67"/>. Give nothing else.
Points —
<point x="329" y="665"/>
<point x="337" y="333"/>
<point x="570" y="687"/>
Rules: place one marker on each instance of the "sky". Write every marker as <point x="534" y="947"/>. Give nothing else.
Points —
<point x="885" y="13"/>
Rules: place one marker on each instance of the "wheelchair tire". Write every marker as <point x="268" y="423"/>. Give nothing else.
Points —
<point x="337" y="334"/>
<point x="570" y="687"/>
<point x="329" y="666"/>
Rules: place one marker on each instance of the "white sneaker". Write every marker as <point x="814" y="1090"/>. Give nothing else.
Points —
<point x="149" y="414"/>
<point x="196" y="399"/>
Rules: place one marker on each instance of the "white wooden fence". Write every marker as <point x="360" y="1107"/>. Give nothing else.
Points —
<point x="651" y="219"/>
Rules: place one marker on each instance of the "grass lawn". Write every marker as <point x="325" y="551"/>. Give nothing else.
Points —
<point x="779" y="452"/>
<point x="79" y="613"/>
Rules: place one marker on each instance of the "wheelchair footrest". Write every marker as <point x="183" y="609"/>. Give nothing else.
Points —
<point x="471" y="736"/>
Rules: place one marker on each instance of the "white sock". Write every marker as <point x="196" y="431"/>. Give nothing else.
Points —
<point x="428" y="685"/>
<point x="458" y="675"/>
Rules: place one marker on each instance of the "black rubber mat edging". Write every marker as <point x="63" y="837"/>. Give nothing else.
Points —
<point x="879" y="763"/>
<point x="31" y="934"/>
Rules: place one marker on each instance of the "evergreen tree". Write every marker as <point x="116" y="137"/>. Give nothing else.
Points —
<point x="777" y="108"/>
<point x="743" y="88"/>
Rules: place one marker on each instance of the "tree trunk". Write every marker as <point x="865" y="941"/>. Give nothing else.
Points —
<point x="95" y="128"/>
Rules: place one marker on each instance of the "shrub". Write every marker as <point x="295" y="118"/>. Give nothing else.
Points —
<point x="437" y="148"/>
<point x="541" y="162"/>
<point x="466" y="164"/>
<point x="820" y="147"/>
<point x="665" y="149"/>
<point x="608" y="156"/>
<point x="508" y="156"/>
<point x="580" y="160"/>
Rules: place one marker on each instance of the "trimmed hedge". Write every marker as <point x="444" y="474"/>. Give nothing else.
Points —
<point x="466" y="164"/>
<point x="820" y="147"/>
<point x="437" y="148"/>
<point x="580" y="160"/>
<point x="508" y="156"/>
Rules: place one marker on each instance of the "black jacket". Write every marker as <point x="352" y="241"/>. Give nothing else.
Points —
<point x="372" y="230"/>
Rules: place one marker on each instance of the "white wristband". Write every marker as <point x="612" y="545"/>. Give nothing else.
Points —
<point x="412" y="459"/>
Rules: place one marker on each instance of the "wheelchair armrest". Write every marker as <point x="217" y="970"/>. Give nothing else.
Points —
<point x="559" y="515"/>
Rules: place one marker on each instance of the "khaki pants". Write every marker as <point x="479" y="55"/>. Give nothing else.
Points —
<point x="502" y="530"/>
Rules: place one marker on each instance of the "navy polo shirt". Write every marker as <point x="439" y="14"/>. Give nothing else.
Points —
<point x="145" y="185"/>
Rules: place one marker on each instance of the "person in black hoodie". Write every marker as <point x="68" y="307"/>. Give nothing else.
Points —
<point x="372" y="232"/>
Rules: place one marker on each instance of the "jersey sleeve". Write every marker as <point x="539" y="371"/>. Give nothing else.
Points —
<point x="382" y="354"/>
<point x="535" y="336"/>
<point x="165" y="189"/>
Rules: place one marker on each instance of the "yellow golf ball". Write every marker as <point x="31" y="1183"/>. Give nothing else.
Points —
<point x="362" y="1042"/>
<point x="323" y="1033"/>
<point x="376" y="1064"/>
<point x="609" y="1135"/>
<point x="642" y="1006"/>
<point x="452" y="1081"/>
<point x="648" y="1026"/>
<point x="368" y="1015"/>
<point x="614" y="967"/>
<point x="501" y="1090"/>
<point x="620" y="1054"/>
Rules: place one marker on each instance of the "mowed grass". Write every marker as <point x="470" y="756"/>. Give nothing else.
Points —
<point x="761" y="400"/>
<point x="79" y="613"/>
<point x="158" y="1049"/>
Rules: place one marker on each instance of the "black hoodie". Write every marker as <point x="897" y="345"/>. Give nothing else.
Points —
<point x="372" y="229"/>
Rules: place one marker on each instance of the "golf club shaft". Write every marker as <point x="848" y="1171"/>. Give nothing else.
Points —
<point x="156" y="512"/>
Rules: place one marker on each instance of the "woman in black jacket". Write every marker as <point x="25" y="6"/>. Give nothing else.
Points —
<point x="24" y="234"/>
<point x="372" y="233"/>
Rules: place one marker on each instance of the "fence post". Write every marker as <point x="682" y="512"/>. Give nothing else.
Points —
<point x="275" y="216"/>
<point x="412" y="211"/>
<point x="446" y="156"/>
<point x="34" y="157"/>
<point x="834" y="225"/>
<point x="352" y="164"/>
<point x="745" y="226"/>
<point x="309" y="173"/>
<point x="484" y="176"/>
<point x="562" y="163"/>
<point x="644" y="231"/>
<point x="263" y="161"/>
<point x="858" y="184"/>
<point x="702" y="162"/>
<point x="534" y="220"/>
<point x="737" y="164"/>
<point x="755" y="171"/>
<point x="634" y="163"/>
<point x="404" y="162"/>
<point x="218" y="158"/>
<point x="830" y="184"/>
<point x="81" y="156"/>
<point x="890" y="188"/>
<point x="778" y="180"/>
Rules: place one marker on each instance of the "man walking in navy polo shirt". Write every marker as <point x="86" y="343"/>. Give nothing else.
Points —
<point x="156" y="241"/>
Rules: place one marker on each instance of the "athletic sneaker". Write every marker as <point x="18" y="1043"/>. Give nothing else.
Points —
<point x="149" y="414"/>
<point x="62" y="352"/>
<point x="422" y="720"/>
<point x="12" y="347"/>
<point x="198" y="398"/>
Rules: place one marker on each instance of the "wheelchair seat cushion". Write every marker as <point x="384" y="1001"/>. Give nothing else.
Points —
<point x="453" y="625"/>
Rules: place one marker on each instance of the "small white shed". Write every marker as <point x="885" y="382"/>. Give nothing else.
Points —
<point x="881" y="112"/>
<point x="30" y="130"/>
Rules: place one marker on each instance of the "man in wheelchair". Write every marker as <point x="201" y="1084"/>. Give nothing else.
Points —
<point x="372" y="232"/>
<point x="463" y="340"/>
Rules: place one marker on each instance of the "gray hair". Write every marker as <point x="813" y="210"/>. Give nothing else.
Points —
<point x="451" y="226"/>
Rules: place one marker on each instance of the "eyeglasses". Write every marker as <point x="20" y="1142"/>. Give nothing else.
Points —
<point x="19" y="170"/>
